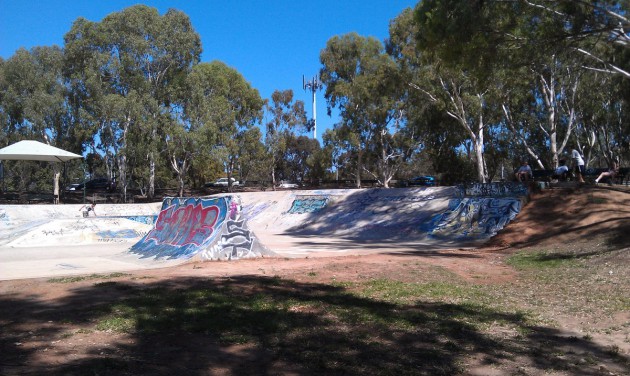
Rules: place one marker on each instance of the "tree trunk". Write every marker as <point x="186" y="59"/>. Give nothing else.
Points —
<point x="273" y="173"/>
<point x="359" y="166"/>
<point x="57" y="175"/>
<point x="122" y="173"/>
<point x="478" y="142"/>
<point x="122" y="160"/>
<point x="180" y="181"/>
<point x="151" y="192"/>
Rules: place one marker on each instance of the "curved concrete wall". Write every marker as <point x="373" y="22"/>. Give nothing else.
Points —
<point x="290" y="222"/>
<point x="210" y="229"/>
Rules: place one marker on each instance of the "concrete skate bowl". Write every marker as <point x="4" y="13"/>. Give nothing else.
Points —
<point x="46" y="240"/>
<point x="324" y="222"/>
<point x="51" y="240"/>
<point x="64" y="225"/>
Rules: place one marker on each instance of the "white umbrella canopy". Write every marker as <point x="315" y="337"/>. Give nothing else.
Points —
<point x="29" y="150"/>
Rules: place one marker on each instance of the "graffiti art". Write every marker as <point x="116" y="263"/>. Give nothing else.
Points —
<point x="308" y="204"/>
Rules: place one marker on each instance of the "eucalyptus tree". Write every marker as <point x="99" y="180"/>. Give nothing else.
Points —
<point x="300" y="158"/>
<point x="17" y="83"/>
<point x="465" y="100"/>
<point x="510" y="41"/>
<point x="604" y="129"/>
<point x="343" y="145"/>
<point x="221" y="106"/>
<point x="181" y="144"/>
<point x="365" y="84"/>
<point x="34" y="95"/>
<point x="317" y="164"/>
<point x="253" y="157"/>
<point x="136" y="55"/>
<point x="476" y="32"/>
<point x="4" y="117"/>
<point x="464" y="96"/>
<point x="438" y="135"/>
<point x="599" y="31"/>
<point x="35" y="100"/>
<point x="542" y="98"/>
<point x="334" y="146"/>
<point x="285" y="116"/>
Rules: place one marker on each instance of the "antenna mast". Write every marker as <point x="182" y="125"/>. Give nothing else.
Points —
<point x="313" y="85"/>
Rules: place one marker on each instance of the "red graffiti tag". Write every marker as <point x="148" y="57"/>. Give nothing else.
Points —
<point x="191" y="224"/>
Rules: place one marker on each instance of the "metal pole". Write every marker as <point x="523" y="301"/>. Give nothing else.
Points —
<point x="314" y="115"/>
<point x="313" y="85"/>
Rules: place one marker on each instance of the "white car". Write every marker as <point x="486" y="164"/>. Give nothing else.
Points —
<point x="73" y="187"/>
<point x="223" y="182"/>
<point x="287" y="185"/>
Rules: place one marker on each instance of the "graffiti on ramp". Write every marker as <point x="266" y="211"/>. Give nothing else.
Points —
<point x="205" y="228"/>
<point x="475" y="218"/>
<point x="308" y="204"/>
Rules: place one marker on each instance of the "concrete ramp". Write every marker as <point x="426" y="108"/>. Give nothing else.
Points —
<point x="478" y="218"/>
<point x="47" y="240"/>
<point x="64" y="225"/>
<point x="324" y="222"/>
<point x="56" y="240"/>
<point x="200" y="228"/>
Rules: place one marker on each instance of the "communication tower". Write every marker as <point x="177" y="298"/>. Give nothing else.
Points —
<point x="313" y="85"/>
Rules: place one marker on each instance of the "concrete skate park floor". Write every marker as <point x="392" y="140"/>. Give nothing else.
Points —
<point x="35" y="262"/>
<point x="37" y="255"/>
<point x="55" y="240"/>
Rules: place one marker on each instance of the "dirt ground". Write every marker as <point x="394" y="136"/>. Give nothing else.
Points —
<point x="32" y="341"/>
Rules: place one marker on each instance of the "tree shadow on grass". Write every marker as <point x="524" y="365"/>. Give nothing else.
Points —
<point x="259" y="326"/>
<point x="614" y="229"/>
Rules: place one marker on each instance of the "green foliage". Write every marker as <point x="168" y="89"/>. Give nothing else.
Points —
<point x="254" y="158"/>
<point x="220" y="109"/>
<point x="367" y="86"/>
<point x="540" y="260"/>
<point x="127" y="73"/>
<point x="299" y="163"/>
<point x="285" y="118"/>
<point x="87" y="277"/>
<point x="458" y="88"/>
<point x="482" y="35"/>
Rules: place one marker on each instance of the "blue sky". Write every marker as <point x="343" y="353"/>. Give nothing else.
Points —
<point x="272" y="43"/>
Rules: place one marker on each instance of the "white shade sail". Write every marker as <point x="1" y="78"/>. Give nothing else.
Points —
<point x="28" y="150"/>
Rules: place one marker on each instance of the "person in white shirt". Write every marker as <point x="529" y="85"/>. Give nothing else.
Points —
<point x="578" y="162"/>
<point x="87" y="209"/>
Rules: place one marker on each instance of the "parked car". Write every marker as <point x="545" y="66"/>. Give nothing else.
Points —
<point x="223" y="182"/>
<point x="72" y="187"/>
<point x="425" y="180"/>
<point x="288" y="185"/>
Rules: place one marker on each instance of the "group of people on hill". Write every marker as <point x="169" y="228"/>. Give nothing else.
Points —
<point x="562" y="172"/>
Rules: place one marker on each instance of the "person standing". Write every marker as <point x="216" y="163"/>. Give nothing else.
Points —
<point x="578" y="162"/>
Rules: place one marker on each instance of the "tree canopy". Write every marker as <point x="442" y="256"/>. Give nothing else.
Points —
<point x="464" y="90"/>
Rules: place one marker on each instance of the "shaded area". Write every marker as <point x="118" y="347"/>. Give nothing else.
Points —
<point x="329" y="245"/>
<point x="383" y="215"/>
<point x="567" y="215"/>
<point x="262" y="325"/>
<point x="406" y="215"/>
